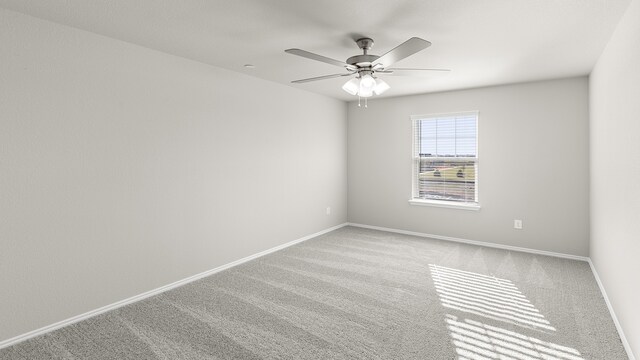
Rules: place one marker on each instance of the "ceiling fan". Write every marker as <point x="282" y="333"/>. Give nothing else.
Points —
<point x="365" y="84"/>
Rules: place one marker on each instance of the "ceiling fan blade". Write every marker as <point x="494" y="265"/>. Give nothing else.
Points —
<point x="411" y="72"/>
<point x="401" y="51"/>
<point x="320" y="78"/>
<point x="415" y="69"/>
<point x="324" y="59"/>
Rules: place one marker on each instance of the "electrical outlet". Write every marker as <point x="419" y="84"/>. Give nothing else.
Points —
<point x="328" y="210"/>
<point x="517" y="224"/>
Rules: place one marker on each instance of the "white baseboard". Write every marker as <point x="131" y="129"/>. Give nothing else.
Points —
<point x="92" y="313"/>
<point x="623" y="338"/>
<point x="474" y="242"/>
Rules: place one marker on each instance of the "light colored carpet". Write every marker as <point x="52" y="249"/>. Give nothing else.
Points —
<point x="359" y="294"/>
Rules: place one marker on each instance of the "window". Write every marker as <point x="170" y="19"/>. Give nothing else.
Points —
<point x="445" y="152"/>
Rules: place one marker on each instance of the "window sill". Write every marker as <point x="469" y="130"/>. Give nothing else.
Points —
<point x="444" y="204"/>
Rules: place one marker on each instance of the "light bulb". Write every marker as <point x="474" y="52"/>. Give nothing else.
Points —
<point x="367" y="83"/>
<point x="381" y="86"/>
<point x="351" y="86"/>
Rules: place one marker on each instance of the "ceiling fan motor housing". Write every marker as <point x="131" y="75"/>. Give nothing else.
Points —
<point x="362" y="60"/>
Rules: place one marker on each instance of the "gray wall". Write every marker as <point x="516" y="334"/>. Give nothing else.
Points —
<point x="615" y="172"/>
<point x="123" y="169"/>
<point x="533" y="165"/>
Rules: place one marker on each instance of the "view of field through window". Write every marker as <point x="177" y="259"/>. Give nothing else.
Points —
<point x="446" y="158"/>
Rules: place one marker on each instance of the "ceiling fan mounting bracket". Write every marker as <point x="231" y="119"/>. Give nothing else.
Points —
<point x="365" y="44"/>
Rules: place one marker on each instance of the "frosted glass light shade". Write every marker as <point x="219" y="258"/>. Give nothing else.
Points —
<point x="380" y="87"/>
<point x="367" y="83"/>
<point x="365" y="86"/>
<point x="352" y="86"/>
<point x="365" y="93"/>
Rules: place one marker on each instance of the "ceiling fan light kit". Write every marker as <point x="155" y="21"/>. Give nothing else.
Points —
<point x="365" y="84"/>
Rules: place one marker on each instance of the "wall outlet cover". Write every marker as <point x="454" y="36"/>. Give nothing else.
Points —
<point x="517" y="224"/>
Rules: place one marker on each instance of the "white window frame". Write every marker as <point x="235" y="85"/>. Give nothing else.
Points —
<point x="416" y="166"/>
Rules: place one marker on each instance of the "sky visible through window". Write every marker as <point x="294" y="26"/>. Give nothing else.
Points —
<point x="450" y="136"/>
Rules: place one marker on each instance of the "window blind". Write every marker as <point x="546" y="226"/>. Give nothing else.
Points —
<point x="446" y="157"/>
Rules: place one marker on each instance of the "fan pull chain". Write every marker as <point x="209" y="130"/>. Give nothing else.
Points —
<point x="365" y="102"/>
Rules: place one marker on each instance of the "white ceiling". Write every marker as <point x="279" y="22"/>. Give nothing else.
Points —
<point x="483" y="42"/>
